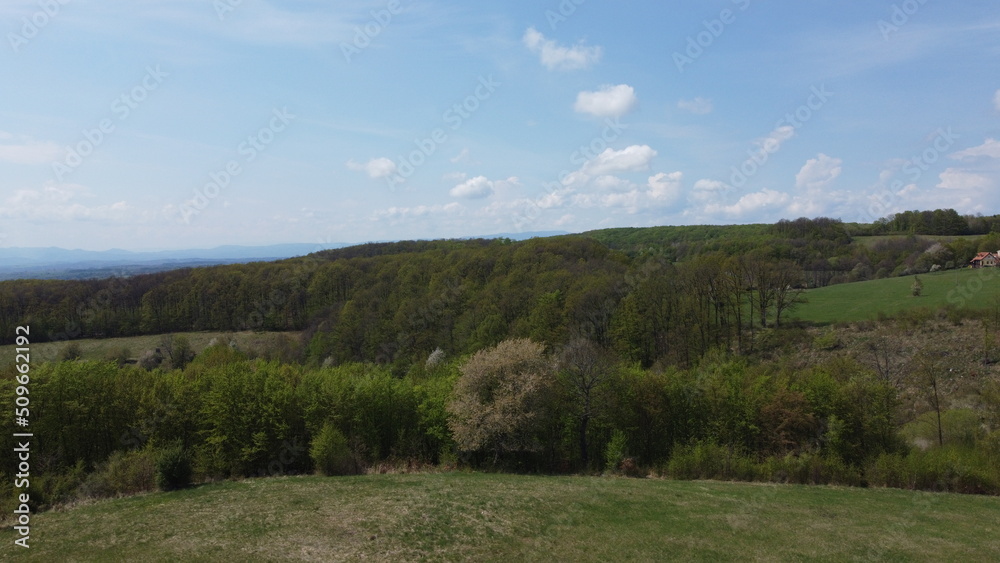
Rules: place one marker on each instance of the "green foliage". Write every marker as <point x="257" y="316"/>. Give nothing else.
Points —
<point x="330" y="453"/>
<point x="123" y="473"/>
<point x="953" y="469"/>
<point x="173" y="469"/>
<point x="960" y="427"/>
<point x="119" y="356"/>
<point x="71" y="352"/>
<point x="248" y="412"/>
<point x="616" y="451"/>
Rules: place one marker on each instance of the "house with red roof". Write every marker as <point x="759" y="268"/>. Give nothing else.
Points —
<point x="985" y="260"/>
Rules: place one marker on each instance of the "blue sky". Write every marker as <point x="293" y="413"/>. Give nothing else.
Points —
<point x="152" y="124"/>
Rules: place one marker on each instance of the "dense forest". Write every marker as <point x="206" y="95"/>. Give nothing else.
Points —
<point x="662" y="351"/>
<point x="386" y="301"/>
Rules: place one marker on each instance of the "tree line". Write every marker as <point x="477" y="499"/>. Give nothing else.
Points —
<point x="102" y="428"/>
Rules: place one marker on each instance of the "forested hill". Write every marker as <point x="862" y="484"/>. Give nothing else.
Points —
<point x="658" y="293"/>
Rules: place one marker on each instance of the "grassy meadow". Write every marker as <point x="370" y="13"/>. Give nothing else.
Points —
<point x="974" y="289"/>
<point x="497" y="517"/>
<point x="98" y="349"/>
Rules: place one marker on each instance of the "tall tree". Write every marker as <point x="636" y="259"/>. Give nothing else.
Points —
<point x="586" y="368"/>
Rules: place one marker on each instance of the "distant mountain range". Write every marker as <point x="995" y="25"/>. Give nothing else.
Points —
<point x="60" y="263"/>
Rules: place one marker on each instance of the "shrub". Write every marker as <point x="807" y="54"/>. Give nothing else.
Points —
<point x="829" y="340"/>
<point x="947" y="469"/>
<point x="616" y="451"/>
<point x="173" y="469"/>
<point x="124" y="473"/>
<point x="699" y="461"/>
<point x="150" y="360"/>
<point x="54" y="488"/>
<point x="71" y="352"/>
<point x="330" y="453"/>
<point x="119" y="356"/>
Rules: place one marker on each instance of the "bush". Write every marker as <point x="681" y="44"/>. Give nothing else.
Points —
<point x="710" y="461"/>
<point x="616" y="451"/>
<point x="124" y="473"/>
<point x="119" y="356"/>
<point x="959" y="427"/>
<point x="948" y="469"/>
<point x="150" y="360"/>
<point x="55" y="488"/>
<point x="173" y="469"/>
<point x="71" y="352"/>
<point x="330" y="453"/>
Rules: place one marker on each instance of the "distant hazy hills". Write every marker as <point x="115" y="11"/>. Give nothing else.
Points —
<point x="60" y="263"/>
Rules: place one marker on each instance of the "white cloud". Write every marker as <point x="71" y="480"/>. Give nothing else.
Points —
<point x="665" y="187"/>
<point x="818" y="173"/>
<point x="473" y="188"/>
<point x="400" y="213"/>
<point x="996" y="100"/>
<point x="633" y="158"/>
<point x="27" y="151"/>
<point x="612" y="183"/>
<point x="57" y="202"/>
<point x="480" y="187"/>
<point x="752" y="203"/>
<point x="709" y="186"/>
<point x="376" y="168"/>
<point x="957" y="179"/>
<point x="990" y="148"/>
<point x="609" y="101"/>
<point x="660" y="190"/>
<point x="697" y="106"/>
<point x="461" y="156"/>
<point x="773" y="141"/>
<point x="558" y="57"/>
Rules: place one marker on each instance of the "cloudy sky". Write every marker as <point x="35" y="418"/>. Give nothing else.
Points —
<point x="151" y="124"/>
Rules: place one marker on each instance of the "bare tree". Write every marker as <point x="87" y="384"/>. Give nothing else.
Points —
<point x="585" y="367"/>
<point x="788" y="279"/>
<point x="931" y="373"/>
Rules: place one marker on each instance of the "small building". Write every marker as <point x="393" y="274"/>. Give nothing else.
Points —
<point x="985" y="260"/>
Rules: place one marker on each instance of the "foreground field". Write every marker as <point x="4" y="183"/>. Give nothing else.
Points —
<point x="486" y="517"/>
<point x="973" y="289"/>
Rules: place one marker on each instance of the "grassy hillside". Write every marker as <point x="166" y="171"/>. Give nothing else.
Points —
<point x="98" y="349"/>
<point x="976" y="289"/>
<point x="487" y="517"/>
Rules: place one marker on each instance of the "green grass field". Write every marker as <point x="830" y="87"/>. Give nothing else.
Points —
<point x="491" y="517"/>
<point x="97" y="349"/>
<point x="974" y="289"/>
